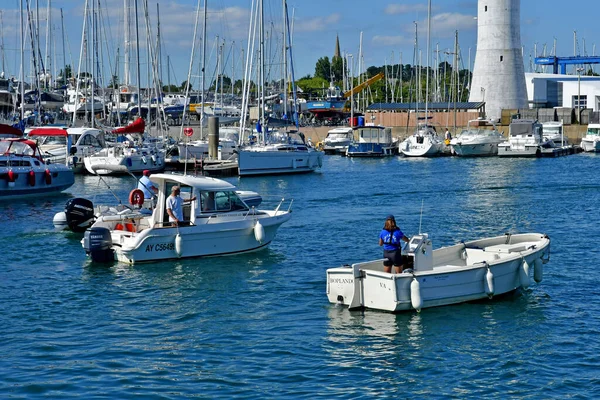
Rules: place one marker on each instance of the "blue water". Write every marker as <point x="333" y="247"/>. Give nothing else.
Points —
<point x="260" y="326"/>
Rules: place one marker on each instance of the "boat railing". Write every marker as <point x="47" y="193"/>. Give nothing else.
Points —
<point x="281" y="203"/>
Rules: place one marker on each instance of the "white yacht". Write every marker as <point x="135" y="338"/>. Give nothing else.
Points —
<point x="525" y="139"/>
<point x="217" y="223"/>
<point x="425" y="142"/>
<point x="81" y="103"/>
<point x="591" y="141"/>
<point x="338" y="140"/>
<point x="476" y="141"/>
<point x="553" y="130"/>
<point x="286" y="153"/>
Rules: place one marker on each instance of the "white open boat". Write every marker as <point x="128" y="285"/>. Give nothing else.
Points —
<point x="218" y="223"/>
<point x="464" y="272"/>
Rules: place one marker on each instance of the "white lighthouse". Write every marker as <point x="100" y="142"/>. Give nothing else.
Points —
<point x="499" y="73"/>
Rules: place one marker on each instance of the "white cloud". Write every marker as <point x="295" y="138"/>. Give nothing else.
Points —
<point x="443" y="25"/>
<point x="317" y="24"/>
<point x="393" y="9"/>
<point x="391" y="40"/>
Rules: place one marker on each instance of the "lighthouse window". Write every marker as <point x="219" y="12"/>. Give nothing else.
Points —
<point x="501" y="58"/>
<point x="485" y="8"/>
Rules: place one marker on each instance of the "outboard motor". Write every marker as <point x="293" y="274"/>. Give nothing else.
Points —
<point x="98" y="245"/>
<point x="79" y="214"/>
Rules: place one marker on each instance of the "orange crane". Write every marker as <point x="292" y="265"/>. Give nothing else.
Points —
<point x="364" y="85"/>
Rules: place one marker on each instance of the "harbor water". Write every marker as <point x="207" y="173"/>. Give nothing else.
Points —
<point x="260" y="326"/>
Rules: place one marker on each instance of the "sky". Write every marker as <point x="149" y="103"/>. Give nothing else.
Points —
<point x="387" y="27"/>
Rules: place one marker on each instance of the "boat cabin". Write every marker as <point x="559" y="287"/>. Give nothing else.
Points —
<point x="373" y="134"/>
<point x="214" y="199"/>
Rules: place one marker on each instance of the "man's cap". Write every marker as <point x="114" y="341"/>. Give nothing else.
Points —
<point x="390" y="217"/>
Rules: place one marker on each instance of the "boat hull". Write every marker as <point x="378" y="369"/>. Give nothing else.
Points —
<point x="61" y="179"/>
<point x="590" y="146"/>
<point x="475" y="150"/>
<point x="135" y="163"/>
<point x="459" y="276"/>
<point x="205" y="239"/>
<point x="278" y="162"/>
<point x="371" y="150"/>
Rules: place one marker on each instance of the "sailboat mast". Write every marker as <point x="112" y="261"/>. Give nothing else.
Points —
<point x="262" y="67"/>
<point x="285" y="65"/>
<point x="22" y="62"/>
<point x="137" y="49"/>
<point x="203" y="67"/>
<point x="427" y="61"/>
<point x="127" y="56"/>
<point x="91" y="96"/>
<point x="62" y="23"/>
<point x="47" y="54"/>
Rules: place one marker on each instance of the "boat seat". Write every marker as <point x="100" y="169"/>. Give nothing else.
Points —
<point x="509" y="248"/>
<point x="475" y="256"/>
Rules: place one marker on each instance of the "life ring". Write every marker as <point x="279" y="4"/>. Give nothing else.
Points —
<point x="48" y="176"/>
<point x="31" y="178"/>
<point x="136" y="197"/>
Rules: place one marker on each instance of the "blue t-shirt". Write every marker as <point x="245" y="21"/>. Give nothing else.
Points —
<point x="391" y="240"/>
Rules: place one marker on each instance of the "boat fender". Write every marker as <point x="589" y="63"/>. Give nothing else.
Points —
<point x="524" y="274"/>
<point x="178" y="245"/>
<point x="31" y="178"/>
<point x="153" y="158"/>
<point x="259" y="232"/>
<point x="294" y="166"/>
<point x="415" y="295"/>
<point x="12" y="177"/>
<point x="489" y="283"/>
<point x="48" y="176"/>
<point x="144" y="160"/>
<point x="538" y="270"/>
<point x="136" y="197"/>
<point x="320" y="161"/>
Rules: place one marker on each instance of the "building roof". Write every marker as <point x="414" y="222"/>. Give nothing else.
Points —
<point x="463" y="106"/>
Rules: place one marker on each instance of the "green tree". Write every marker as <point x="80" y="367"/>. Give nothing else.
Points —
<point x="323" y="69"/>
<point x="337" y="69"/>
<point x="183" y="86"/>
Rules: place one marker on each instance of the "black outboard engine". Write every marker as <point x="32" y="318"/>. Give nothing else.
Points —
<point x="79" y="214"/>
<point x="98" y="245"/>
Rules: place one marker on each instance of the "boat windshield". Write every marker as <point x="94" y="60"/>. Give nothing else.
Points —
<point x="337" y="135"/>
<point x="221" y="201"/>
<point x="15" y="148"/>
<point x="593" y="131"/>
<point x="53" y="140"/>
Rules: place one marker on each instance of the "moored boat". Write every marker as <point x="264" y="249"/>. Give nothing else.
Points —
<point x="373" y="141"/>
<point x="467" y="271"/>
<point x="591" y="141"/>
<point x="477" y="141"/>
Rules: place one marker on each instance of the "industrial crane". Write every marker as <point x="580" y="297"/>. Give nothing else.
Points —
<point x="359" y="88"/>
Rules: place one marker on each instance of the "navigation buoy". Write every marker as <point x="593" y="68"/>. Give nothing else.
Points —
<point x="31" y="178"/>
<point x="489" y="283"/>
<point x="538" y="270"/>
<point x="178" y="245"/>
<point x="524" y="274"/>
<point x="48" y="176"/>
<point x="415" y="295"/>
<point x="259" y="232"/>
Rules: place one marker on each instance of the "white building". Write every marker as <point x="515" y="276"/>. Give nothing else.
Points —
<point x="499" y="73"/>
<point x="550" y="90"/>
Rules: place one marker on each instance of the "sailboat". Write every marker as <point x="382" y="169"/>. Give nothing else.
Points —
<point x="279" y="152"/>
<point x="425" y="141"/>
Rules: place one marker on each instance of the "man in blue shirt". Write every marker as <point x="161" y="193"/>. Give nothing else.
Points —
<point x="391" y="238"/>
<point x="147" y="186"/>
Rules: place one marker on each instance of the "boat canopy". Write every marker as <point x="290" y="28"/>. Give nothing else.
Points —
<point x="7" y="130"/>
<point x="200" y="182"/>
<point x="48" y="132"/>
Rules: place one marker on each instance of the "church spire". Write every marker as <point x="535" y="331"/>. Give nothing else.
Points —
<point x="337" y="53"/>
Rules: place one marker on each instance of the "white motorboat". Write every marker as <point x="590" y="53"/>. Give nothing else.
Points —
<point x="425" y="142"/>
<point x="591" y="141"/>
<point x="525" y="139"/>
<point x="80" y="213"/>
<point x="220" y="223"/>
<point x="80" y="103"/>
<point x="373" y="141"/>
<point x="82" y="142"/>
<point x="287" y="155"/>
<point x="553" y="131"/>
<point x="477" y="141"/>
<point x="23" y="170"/>
<point x="338" y="140"/>
<point x="464" y="272"/>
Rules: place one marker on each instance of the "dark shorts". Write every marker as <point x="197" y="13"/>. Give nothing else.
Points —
<point x="392" y="257"/>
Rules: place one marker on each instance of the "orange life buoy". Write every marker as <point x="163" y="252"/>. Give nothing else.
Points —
<point x="136" y="197"/>
<point x="48" y="176"/>
<point x="31" y="178"/>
